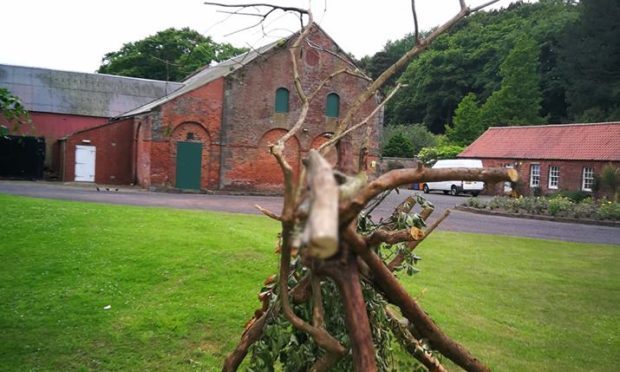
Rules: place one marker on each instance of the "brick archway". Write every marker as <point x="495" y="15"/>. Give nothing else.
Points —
<point x="332" y="154"/>
<point x="191" y="132"/>
<point x="268" y="175"/>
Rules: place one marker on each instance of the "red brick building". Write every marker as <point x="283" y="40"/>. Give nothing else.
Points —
<point x="549" y="157"/>
<point x="63" y="102"/>
<point x="214" y="132"/>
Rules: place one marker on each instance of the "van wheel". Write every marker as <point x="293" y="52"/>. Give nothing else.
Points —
<point x="425" y="189"/>
<point x="454" y="191"/>
<point x="475" y="194"/>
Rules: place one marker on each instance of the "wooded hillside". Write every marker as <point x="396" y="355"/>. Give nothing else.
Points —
<point x="565" y="69"/>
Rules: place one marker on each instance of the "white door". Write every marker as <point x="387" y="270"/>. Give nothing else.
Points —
<point x="85" y="163"/>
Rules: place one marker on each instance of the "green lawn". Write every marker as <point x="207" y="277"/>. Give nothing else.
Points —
<point x="181" y="285"/>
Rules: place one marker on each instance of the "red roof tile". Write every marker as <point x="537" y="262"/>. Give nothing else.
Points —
<point x="597" y="141"/>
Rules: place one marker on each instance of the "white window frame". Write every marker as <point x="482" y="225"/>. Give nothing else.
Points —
<point x="534" y="182"/>
<point x="554" y="177"/>
<point x="587" y="174"/>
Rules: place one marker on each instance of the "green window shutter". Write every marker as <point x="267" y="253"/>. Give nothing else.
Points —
<point x="332" y="108"/>
<point x="282" y="100"/>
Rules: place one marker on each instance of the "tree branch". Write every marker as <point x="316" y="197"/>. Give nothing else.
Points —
<point x="400" y="177"/>
<point x="396" y="294"/>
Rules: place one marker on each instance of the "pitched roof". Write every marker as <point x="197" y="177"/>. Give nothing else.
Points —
<point x="204" y="76"/>
<point x="596" y="141"/>
<point x="222" y="69"/>
<point x="79" y="93"/>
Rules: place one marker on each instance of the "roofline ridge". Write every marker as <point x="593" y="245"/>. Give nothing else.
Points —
<point x="557" y="125"/>
<point x="91" y="73"/>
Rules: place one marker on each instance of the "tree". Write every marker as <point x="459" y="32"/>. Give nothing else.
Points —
<point x="466" y="125"/>
<point x="169" y="55"/>
<point x="398" y="146"/>
<point x="327" y="306"/>
<point x="589" y="60"/>
<point x="415" y="134"/>
<point x="467" y="59"/>
<point x="12" y="112"/>
<point x="519" y="97"/>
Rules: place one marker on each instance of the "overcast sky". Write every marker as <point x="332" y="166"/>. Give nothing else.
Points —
<point x="74" y="35"/>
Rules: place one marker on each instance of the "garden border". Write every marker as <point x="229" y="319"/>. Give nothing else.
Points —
<point x="585" y="221"/>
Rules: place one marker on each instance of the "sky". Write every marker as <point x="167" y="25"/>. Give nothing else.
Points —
<point x="74" y="35"/>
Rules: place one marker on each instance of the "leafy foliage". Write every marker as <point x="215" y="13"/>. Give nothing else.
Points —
<point x="557" y="205"/>
<point x="284" y="347"/>
<point x="589" y="59"/>
<point x="518" y="99"/>
<point x="430" y="155"/>
<point x="415" y="134"/>
<point x="398" y="146"/>
<point x="468" y="58"/>
<point x="169" y="55"/>
<point x="466" y="126"/>
<point x="12" y="111"/>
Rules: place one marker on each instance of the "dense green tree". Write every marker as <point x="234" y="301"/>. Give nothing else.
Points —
<point x="469" y="57"/>
<point x="429" y="155"/>
<point x="399" y="146"/>
<point x="590" y="62"/>
<point x="519" y="97"/>
<point x="416" y="134"/>
<point x="12" y="112"/>
<point x="466" y="126"/>
<point x="169" y="55"/>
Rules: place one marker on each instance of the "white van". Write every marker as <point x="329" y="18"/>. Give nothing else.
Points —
<point x="456" y="187"/>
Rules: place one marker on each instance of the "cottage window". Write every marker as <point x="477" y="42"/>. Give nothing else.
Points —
<point x="554" y="177"/>
<point x="587" y="179"/>
<point x="282" y="100"/>
<point x="535" y="175"/>
<point x="332" y="107"/>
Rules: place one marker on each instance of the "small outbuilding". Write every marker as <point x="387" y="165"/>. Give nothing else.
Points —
<point x="549" y="158"/>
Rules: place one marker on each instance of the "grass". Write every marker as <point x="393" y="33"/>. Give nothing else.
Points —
<point x="181" y="284"/>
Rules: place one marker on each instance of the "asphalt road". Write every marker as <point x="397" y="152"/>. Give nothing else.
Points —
<point x="457" y="221"/>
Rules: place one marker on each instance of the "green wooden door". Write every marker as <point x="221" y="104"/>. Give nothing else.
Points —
<point x="189" y="155"/>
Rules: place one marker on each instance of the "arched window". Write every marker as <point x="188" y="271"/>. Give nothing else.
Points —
<point x="332" y="107"/>
<point x="282" y="100"/>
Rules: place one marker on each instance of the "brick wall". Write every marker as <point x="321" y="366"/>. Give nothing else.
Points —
<point x="114" y="152"/>
<point x="197" y="112"/>
<point x="570" y="177"/>
<point x="251" y="124"/>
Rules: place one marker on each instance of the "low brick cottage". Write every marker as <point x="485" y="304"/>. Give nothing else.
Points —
<point x="549" y="157"/>
<point x="213" y="132"/>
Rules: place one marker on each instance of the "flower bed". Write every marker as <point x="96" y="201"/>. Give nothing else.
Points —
<point x="555" y="206"/>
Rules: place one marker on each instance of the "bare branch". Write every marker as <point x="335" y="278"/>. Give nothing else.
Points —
<point x="483" y="6"/>
<point x="321" y="232"/>
<point x="400" y="177"/>
<point x="411" y="345"/>
<point x="401" y="63"/>
<point x="397" y="294"/>
<point x="343" y="59"/>
<point x="249" y="5"/>
<point x="416" y="30"/>
<point x="395" y="236"/>
<point x="268" y="213"/>
<point x="374" y="112"/>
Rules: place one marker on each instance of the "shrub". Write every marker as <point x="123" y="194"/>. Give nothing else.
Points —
<point x="585" y="209"/>
<point x="608" y="210"/>
<point x="574" y="196"/>
<point x="533" y="204"/>
<point x="475" y="202"/>
<point x="560" y="206"/>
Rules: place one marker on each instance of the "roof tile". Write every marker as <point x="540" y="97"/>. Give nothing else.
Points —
<point x="595" y="141"/>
